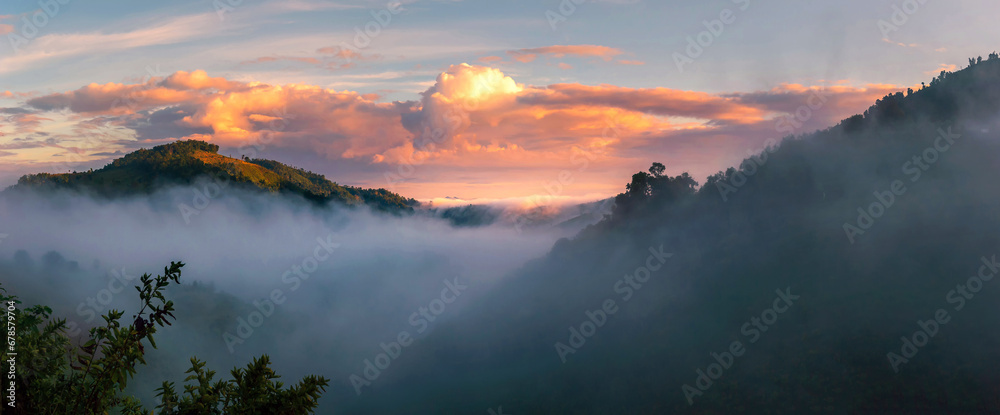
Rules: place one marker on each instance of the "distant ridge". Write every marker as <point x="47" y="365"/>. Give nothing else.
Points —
<point x="184" y="162"/>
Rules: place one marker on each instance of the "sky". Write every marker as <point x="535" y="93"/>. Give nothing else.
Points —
<point x="474" y="100"/>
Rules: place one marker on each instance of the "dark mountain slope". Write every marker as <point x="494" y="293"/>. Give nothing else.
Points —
<point x="782" y="222"/>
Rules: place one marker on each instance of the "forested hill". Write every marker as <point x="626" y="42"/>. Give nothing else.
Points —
<point x="865" y="231"/>
<point x="185" y="162"/>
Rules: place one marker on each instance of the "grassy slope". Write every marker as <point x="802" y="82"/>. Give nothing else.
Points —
<point x="184" y="162"/>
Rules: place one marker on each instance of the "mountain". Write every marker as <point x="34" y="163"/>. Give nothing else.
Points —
<point x="186" y="162"/>
<point x="844" y="271"/>
<point x="569" y="218"/>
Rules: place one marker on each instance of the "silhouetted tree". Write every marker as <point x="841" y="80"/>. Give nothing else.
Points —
<point x="657" y="169"/>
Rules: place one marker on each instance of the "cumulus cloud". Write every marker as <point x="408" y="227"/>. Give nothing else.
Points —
<point x="471" y="116"/>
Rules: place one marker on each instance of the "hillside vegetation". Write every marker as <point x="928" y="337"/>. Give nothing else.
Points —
<point x="185" y="162"/>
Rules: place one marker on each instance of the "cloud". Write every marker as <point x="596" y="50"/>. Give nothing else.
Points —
<point x="23" y="120"/>
<point x="330" y="57"/>
<point x="57" y="46"/>
<point x="264" y="59"/>
<point x="193" y="105"/>
<point x="901" y="44"/>
<point x="471" y="117"/>
<point x="6" y="28"/>
<point x="657" y="101"/>
<point x="109" y="154"/>
<point x="948" y="67"/>
<point x="559" y="51"/>
<point x="9" y="94"/>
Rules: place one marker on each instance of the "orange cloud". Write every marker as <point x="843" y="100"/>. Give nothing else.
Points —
<point x="490" y="59"/>
<point x="472" y="117"/>
<point x="264" y="59"/>
<point x="26" y="122"/>
<point x="659" y="101"/>
<point x="949" y="67"/>
<point x="331" y="57"/>
<point x="905" y="45"/>
<point x="6" y="28"/>
<point x="9" y="94"/>
<point x="337" y="51"/>
<point x="559" y="51"/>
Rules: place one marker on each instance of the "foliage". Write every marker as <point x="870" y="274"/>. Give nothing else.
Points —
<point x="187" y="162"/>
<point x="252" y="391"/>
<point x="56" y="378"/>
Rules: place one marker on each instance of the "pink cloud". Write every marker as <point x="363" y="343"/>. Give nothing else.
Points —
<point x="330" y="57"/>
<point x="559" y="51"/>
<point x="473" y="116"/>
<point x="949" y="67"/>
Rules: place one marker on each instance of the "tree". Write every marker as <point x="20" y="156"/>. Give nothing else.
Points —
<point x="251" y="391"/>
<point x="652" y="190"/>
<point x="55" y="378"/>
<point x="657" y="169"/>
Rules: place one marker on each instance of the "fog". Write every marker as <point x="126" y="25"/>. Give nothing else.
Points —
<point x="347" y="278"/>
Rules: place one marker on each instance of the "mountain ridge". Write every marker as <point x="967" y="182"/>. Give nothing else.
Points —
<point x="185" y="162"/>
